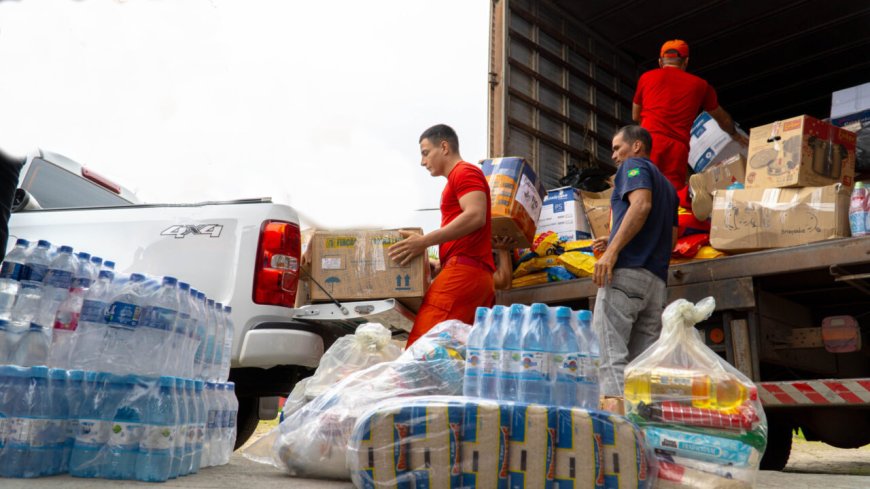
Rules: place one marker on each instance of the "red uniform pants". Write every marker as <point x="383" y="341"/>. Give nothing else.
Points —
<point x="672" y="158"/>
<point x="454" y="294"/>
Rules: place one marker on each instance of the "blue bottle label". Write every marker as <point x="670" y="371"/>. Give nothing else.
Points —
<point x="490" y="362"/>
<point x="567" y="366"/>
<point x="126" y="436"/>
<point x="212" y="419"/>
<point x="93" y="432"/>
<point x="61" y="279"/>
<point x="11" y="270"/>
<point x="159" y="318"/>
<point x="93" y="311"/>
<point x="123" y="315"/>
<point x="33" y="271"/>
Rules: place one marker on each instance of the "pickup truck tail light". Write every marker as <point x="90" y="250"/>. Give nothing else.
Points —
<point x="276" y="275"/>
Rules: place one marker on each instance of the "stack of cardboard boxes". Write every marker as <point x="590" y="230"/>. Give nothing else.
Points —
<point x="798" y="178"/>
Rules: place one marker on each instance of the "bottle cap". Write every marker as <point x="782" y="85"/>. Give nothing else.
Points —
<point x="43" y="243"/>
<point x="22" y="242"/>
<point x="563" y="312"/>
<point x="65" y="249"/>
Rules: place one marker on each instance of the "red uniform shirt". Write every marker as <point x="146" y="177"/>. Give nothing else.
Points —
<point x="670" y="99"/>
<point x="465" y="178"/>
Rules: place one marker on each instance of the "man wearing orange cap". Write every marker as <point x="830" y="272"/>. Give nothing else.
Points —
<point x="465" y="270"/>
<point x="666" y="103"/>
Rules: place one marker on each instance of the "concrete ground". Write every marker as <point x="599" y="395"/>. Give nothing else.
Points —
<point x="812" y="465"/>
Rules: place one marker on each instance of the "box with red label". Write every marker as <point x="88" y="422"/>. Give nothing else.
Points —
<point x="517" y="196"/>
<point x="800" y="152"/>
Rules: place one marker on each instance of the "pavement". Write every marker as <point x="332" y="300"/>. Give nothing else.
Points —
<point x="813" y="465"/>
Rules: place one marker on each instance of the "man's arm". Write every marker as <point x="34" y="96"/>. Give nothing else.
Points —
<point x="727" y="124"/>
<point x="472" y="218"/>
<point x="640" y="205"/>
<point x="503" y="270"/>
<point x="635" y="112"/>
<point x="674" y="237"/>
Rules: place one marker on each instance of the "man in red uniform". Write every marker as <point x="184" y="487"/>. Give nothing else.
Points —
<point x="463" y="280"/>
<point x="666" y="103"/>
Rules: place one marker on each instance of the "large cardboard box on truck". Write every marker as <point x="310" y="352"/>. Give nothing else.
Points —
<point x="597" y="207"/>
<point x="516" y="198"/>
<point x="563" y="214"/>
<point x="721" y="174"/>
<point x="709" y="143"/>
<point x="355" y="265"/>
<point x="754" y="218"/>
<point x="800" y="152"/>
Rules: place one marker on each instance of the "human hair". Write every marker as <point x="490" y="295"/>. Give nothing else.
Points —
<point x="633" y="133"/>
<point x="441" y="132"/>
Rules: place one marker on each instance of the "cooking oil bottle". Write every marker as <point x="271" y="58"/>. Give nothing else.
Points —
<point x="701" y="390"/>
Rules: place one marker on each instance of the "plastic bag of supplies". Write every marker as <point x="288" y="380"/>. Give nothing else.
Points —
<point x="700" y="415"/>
<point x="312" y="442"/>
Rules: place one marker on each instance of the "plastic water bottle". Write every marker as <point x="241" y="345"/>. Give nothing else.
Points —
<point x="7" y="343"/>
<point x="75" y="398"/>
<point x="108" y="265"/>
<point x="90" y="334"/>
<point x="58" y="278"/>
<point x="511" y="361"/>
<point x="211" y="436"/>
<point x="66" y="319"/>
<point x="474" y="349"/>
<point x="94" y="426"/>
<point x="220" y="330"/>
<point x="160" y="415"/>
<point x="491" y="354"/>
<point x="157" y="328"/>
<point x="181" y="434"/>
<point x="533" y="383"/>
<point x="233" y="421"/>
<point x="186" y="396"/>
<point x="201" y="335"/>
<point x="224" y="449"/>
<point x="122" y="448"/>
<point x="94" y="266"/>
<point x="36" y="262"/>
<point x="122" y="317"/>
<point x="208" y="351"/>
<point x="199" y="425"/>
<point x="858" y="210"/>
<point x="229" y="336"/>
<point x="221" y="422"/>
<point x="8" y="292"/>
<point x="58" y="431"/>
<point x="27" y="449"/>
<point x="14" y="262"/>
<point x="588" y="391"/>
<point x="565" y="361"/>
<point x="33" y="347"/>
<point x="27" y="305"/>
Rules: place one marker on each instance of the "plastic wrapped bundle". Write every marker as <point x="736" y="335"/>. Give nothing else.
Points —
<point x="460" y="442"/>
<point x="702" y="416"/>
<point x="312" y="442"/>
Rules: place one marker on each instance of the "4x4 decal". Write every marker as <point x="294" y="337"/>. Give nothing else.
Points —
<point x="184" y="230"/>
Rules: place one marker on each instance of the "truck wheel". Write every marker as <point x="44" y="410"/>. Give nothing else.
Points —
<point x="780" y="431"/>
<point x="248" y="419"/>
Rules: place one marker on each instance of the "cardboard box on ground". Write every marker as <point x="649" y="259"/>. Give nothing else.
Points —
<point x="516" y="197"/>
<point x="757" y="218"/>
<point x="800" y="152"/>
<point x="355" y="265"/>
<point x="563" y="214"/>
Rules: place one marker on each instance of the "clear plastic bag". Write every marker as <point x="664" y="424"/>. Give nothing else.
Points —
<point x="701" y="415"/>
<point x="370" y="344"/>
<point x="470" y="443"/>
<point x="312" y="442"/>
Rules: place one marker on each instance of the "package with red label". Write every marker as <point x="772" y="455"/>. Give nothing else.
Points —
<point x="516" y="197"/>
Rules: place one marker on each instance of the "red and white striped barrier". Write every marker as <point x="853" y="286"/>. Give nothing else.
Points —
<point x="834" y="392"/>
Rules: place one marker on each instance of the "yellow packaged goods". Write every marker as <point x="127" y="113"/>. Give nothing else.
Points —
<point x="516" y="197"/>
<point x="532" y="279"/>
<point x="597" y="207"/>
<point x="754" y="218"/>
<point x="580" y="264"/>
<point x="536" y="265"/>
<point x="800" y="152"/>
<point x="708" y="252"/>
<point x="545" y="243"/>
<point x="355" y="265"/>
<point x="581" y="245"/>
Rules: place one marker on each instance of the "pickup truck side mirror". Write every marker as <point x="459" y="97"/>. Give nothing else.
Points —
<point x="24" y="201"/>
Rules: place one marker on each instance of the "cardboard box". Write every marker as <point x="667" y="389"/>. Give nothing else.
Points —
<point x="563" y="214"/>
<point x="709" y="143"/>
<point x="721" y="174"/>
<point x="354" y="265"/>
<point x="754" y="219"/>
<point x="517" y="196"/>
<point x="597" y="207"/>
<point x="800" y="152"/>
<point x="850" y="100"/>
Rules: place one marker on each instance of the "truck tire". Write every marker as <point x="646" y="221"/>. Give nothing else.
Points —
<point x="248" y="419"/>
<point x="780" y="431"/>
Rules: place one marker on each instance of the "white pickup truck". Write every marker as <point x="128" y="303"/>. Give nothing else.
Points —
<point x="243" y="253"/>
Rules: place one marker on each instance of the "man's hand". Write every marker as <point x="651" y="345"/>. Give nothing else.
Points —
<point x="604" y="269"/>
<point x="600" y="244"/>
<point x="434" y="267"/>
<point x="503" y="243"/>
<point x="406" y="250"/>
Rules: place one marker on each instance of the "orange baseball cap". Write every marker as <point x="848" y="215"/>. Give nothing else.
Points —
<point x="678" y="45"/>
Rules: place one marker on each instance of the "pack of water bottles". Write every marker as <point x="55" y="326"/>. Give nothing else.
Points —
<point x="534" y="354"/>
<point x="73" y="311"/>
<point x="98" y="424"/>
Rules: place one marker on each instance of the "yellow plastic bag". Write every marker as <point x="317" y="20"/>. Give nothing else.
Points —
<point x="532" y="279"/>
<point x="707" y="252"/>
<point x="580" y="264"/>
<point x="546" y="243"/>
<point x="536" y="265"/>
<point x="580" y="245"/>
